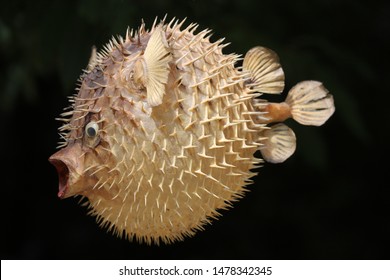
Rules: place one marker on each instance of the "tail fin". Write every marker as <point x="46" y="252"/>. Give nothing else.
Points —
<point x="311" y="103"/>
<point x="280" y="143"/>
<point x="267" y="75"/>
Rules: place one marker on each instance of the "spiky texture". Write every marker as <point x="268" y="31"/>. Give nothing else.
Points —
<point x="163" y="130"/>
<point x="161" y="173"/>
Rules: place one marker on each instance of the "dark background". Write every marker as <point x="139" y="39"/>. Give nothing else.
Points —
<point x="329" y="201"/>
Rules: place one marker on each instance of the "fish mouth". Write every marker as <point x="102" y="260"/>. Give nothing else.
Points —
<point x="69" y="163"/>
<point x="63" y="176"/>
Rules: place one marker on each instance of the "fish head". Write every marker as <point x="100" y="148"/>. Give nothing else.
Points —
<point x="110" y="103"/>
<point x="83" y="150"/>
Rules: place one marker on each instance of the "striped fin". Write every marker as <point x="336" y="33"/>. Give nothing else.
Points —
<point x="267" y="75"/>
<point x="280" y="143"/>
<point x="153" y="70"/>
<point x="311" y="103"/>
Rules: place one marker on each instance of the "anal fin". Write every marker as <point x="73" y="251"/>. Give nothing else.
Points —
<point x="280" y="143"/>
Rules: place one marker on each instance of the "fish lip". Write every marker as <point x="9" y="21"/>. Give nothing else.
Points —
<point x="63" y="176"/>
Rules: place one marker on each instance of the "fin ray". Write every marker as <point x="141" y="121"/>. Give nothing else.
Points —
<point x="157" y="58"/>
<point x="311" y="103"/>
<point x="280" y="143"/>
<point x="266" y="72"/>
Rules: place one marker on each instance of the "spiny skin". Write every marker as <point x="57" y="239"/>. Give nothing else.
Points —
<point x="159" y="170"/>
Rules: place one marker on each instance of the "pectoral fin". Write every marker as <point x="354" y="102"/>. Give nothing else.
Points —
<point x="154" y="68"/>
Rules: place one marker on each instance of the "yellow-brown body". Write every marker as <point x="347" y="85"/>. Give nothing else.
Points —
<point x="162" y="133"/>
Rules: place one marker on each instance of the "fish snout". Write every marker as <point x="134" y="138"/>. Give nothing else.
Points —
<point x="63" y="175"/>
<point x="68" y="165"/>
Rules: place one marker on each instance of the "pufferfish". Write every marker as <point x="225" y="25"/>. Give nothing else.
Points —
<point x="163" y="130"/>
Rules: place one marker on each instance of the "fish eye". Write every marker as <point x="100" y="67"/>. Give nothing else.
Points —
<point x="92" y="129"/>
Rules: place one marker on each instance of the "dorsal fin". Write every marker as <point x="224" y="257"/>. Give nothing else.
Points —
<point x="311" y="103"/>
<point x="156" y="61"/>
<point x="266" y="73"/>
<point x="280" y="143"/>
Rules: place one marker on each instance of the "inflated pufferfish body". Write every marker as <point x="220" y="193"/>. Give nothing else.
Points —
<point x="163" y="130"/>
